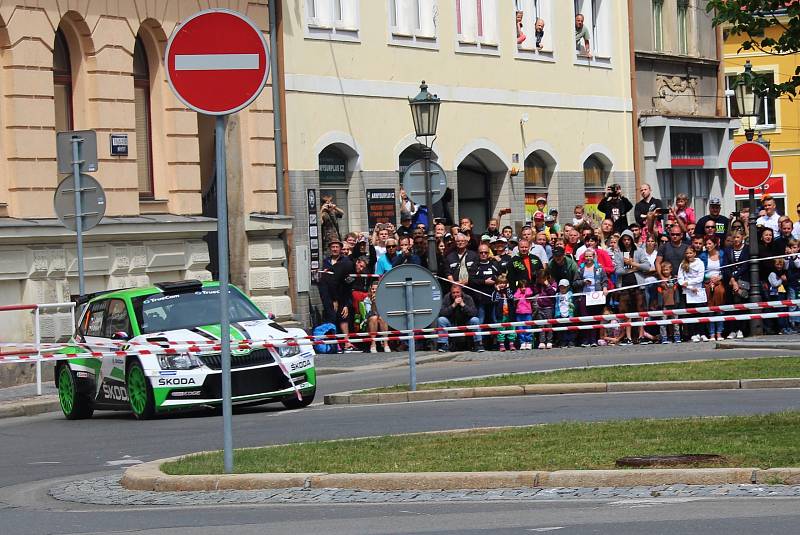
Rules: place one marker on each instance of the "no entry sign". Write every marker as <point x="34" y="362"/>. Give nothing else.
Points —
<point x="750" y="164"/>
<point x="217" y="62"/>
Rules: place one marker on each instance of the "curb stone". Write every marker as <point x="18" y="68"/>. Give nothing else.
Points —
<point x="788" y="346"/>
<point x="354" y="397"/>
<point x="30" y="407"/>
<point x="149" y="477"/>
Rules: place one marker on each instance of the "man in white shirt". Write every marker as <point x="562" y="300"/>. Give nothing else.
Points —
<point x="771" y="218"/>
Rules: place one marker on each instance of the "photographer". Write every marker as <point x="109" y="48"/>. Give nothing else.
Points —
<point x="330" y="215"/>
<point x="615" y="205"/>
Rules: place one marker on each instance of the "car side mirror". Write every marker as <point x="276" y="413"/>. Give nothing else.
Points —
<point x="120" y="335"/>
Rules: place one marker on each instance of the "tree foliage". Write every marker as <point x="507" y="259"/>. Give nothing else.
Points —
<point x="768" y="26"/>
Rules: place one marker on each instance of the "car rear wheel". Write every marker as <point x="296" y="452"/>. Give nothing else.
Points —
<point x="294" y="403"/>
<point x="75" y="404"/>
<point x="140" y="393"/>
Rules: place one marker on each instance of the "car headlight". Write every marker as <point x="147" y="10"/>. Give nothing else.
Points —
<point x="288" y="351"/>
<point x="180" y="361"/>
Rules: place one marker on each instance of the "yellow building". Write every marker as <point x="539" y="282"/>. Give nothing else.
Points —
<point x="778" y="123"/>
<point x="517" y="121"/>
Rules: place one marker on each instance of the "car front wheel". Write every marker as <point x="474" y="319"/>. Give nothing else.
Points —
<point x="294" y="403"/>
<point x="140" y="393"/>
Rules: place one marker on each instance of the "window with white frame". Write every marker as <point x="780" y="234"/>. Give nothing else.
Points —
<point x="766" y="116"/>
<point x="476" y="22"/>
<point x="658" y="25"/>
<point x="533" y="10"/>
<point x="332" y="18"/>
<point x="597" y="19"/>
<point x="414" y="19"/>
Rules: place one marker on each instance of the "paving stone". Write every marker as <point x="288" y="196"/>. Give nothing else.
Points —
<point x="107" y="491"/>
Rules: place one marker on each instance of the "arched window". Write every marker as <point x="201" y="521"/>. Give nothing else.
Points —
<point x="144" y="136"/>
<point x="333" y="180"/>
<point x="410" y="155"/>
<point x="62" y="83"/>
<point x="535" y="172"/>
<point x="595" y="174"/>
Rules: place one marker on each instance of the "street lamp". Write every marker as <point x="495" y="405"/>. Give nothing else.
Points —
<point x="425" y="112"/>
<point x="748" y="104"/>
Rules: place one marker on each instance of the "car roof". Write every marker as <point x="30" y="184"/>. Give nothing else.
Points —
<point x="130" y="293"/>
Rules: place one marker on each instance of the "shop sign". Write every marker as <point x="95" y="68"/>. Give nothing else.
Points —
<point x="313" y="231"/>
<point x="775" y="185"/>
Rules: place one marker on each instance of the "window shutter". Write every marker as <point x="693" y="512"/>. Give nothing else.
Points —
<point x="544" y="7"/>
<point x="469" y="27"/>
<point x="489" y="21"/>
<point x="323" y="13"/>
<point x="479" y="16"/>
<point x="349" y="15"/>
<point x="427" y="24"/>
<point x="143" y="163"/>
<point x="458" y="17"/>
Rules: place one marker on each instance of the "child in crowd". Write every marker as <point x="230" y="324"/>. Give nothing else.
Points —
<point x="777" y="281"/>
<point x="524" y="312"/>
<point x="543" y="290"/>
<point x="612" y="333"/>
<point x="691" y="274"/>
<point x="666" y="298"/>
<point x="565" y="308"/>
<point x="578" y="215"/>
<point x="504" y="310"/>
<point x="367" y="318"/>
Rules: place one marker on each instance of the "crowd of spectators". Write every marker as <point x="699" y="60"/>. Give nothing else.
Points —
<point x="652" y="255"/>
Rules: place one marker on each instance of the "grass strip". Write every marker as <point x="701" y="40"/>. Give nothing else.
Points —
<point x="763" y="441"/>
<point x="759" y="368"/>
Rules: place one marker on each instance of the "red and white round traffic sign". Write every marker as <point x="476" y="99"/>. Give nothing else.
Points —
<point x="750" y="164"/>
<point x="217" y="61"/>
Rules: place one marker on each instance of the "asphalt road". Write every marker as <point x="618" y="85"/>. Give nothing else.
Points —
<point x="36" y="451"/>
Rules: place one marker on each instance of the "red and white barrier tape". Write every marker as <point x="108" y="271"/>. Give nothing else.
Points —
<point x="213" y="345"/>
<point x="467" y="331"/>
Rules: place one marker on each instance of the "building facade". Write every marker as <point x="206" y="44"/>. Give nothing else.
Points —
<point x="778" y="123"/>
<point x="518" y="120"/>
<point x="683" y="129"/>
<point x="99" y="66"/>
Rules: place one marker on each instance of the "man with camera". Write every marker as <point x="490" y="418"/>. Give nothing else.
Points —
<point x="615" y="206"/>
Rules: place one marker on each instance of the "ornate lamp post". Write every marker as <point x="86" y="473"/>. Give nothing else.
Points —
<point x="425" y="112"/>
<point x="748" y="103"/>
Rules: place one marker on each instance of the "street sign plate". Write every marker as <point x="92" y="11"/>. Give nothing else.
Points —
<point x="93" y="202"/>
<point x="391" y="297"/>
<point x="88" y="150"/>
<point x="750" y="164"/>
<point x="217" y="61"/>
<point x="414" y="182"/>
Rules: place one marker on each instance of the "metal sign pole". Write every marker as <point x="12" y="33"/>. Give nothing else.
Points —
<point x="756" y="328"/>
<point x="224" y="323"/>
<point x="412" y="344"/>
<point x="76" y="173"/>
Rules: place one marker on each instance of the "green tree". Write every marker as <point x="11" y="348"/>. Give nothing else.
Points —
<point x="749" y="22"/>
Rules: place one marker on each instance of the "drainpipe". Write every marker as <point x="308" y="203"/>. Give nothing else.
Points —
<point x="276" y="107"/>
<point x="634" y="98"/>
<point x="720" y="73"/>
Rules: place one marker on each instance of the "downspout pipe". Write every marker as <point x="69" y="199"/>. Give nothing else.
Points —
<point x="277" y="111"/>
<point x="637" y="166"/>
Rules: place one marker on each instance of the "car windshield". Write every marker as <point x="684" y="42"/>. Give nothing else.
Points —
<point x="169" y="312"/>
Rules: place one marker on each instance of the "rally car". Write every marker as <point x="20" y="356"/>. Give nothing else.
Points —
<point x="147" y="380"/>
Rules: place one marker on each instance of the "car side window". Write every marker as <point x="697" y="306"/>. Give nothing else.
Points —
<point x="93" y="323"/>
<point x="117" y="319"/>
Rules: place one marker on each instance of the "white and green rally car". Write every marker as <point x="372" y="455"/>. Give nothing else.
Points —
<point x="155" y="318"/>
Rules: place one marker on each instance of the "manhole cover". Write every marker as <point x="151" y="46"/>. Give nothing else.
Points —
<point x="670" y="460"/>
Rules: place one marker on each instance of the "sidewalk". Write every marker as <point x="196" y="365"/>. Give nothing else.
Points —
<point x="789" y="342"/>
